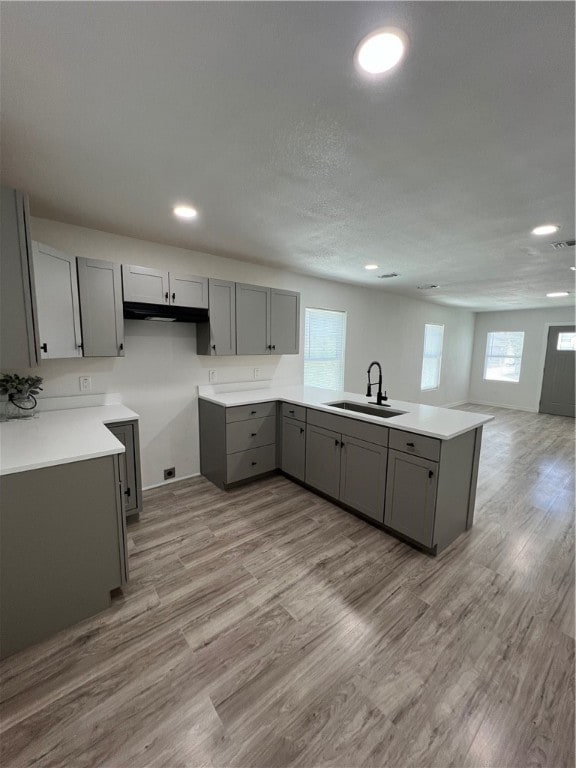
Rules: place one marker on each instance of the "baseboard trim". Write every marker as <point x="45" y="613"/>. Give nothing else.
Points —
<point x="503" y="405"/>
<point x="454" y="405"/>
<point x="169" y="482"/>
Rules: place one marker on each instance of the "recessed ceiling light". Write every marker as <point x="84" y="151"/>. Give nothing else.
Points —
<point x="185" y="212"/>
<point x="573" y="269"/>
<point x="545" y="229"/>
<point x="371" y="266"/>
<point x="380" y="50"/>
<point x="557" y="294"/>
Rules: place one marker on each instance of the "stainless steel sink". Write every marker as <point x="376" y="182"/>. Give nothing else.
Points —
<point x="382" y="411"/>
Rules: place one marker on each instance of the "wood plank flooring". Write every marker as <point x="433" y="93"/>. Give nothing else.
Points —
<point x="266" y="627"/>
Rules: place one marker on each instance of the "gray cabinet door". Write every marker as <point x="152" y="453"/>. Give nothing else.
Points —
<point x="323" y="460"/>
<point x="293" y="448"/>
<point x="145" y="285"/>
<point x="411" y="496"/>
<point x="188" y="290"/>
<point x="19" y="345"/>
<point x="363" y="476"/>
<point x="130" y="465"/>
<point x="56" y="280"/>
<point x="284" y="322"/>
<point x="252" y="320"/>
<point x="100" y="288"/>
<point x="218" y="335"/>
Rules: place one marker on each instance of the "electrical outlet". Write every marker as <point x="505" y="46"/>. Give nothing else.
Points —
<point x="85" y="383"/>
<point x="169" y="473"/>
<point x="212" y="376"/>
<point x="257" y="373"/>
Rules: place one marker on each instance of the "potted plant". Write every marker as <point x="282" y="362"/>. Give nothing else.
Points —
<point x="21" y="391"/>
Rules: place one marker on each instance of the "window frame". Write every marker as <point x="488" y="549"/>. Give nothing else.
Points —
<point x="432" y="357"/>
<point x="489" y="355"/>
<point x="341" y="360"/>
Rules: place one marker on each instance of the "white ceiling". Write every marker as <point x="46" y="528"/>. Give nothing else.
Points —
<point x="253" y="112"/>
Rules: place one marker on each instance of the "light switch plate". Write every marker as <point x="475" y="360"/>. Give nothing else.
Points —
<point x="257" y="373"/>
<point x="85" y="383"/>
<point x="212" y="376"/>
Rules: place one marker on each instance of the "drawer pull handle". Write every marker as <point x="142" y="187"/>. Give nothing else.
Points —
<point x="254" y="463"/>
<point x="252" y="434"/>
<point x="410" y="445"/>
<point x="290" y="411"/>
<point x="252" y="413"/>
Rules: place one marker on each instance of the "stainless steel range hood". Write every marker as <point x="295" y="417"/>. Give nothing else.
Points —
<point x="134" y="310"/>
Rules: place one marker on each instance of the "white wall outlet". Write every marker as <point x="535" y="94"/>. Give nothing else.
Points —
<point x="212" y="376"/>
<point x="257" y="373"/>
<point x="85" y="383"/>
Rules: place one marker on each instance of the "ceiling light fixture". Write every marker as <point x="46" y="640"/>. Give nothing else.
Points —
<point x="380" y="51"/>
<point x="557" y="295"/>
<point x="185" y="212"/>
<point x="546" y="229"/>
<point x="573" y="269"/>
<point x="371" y="266"/>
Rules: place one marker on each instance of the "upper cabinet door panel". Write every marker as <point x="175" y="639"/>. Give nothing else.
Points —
<point x="252" y="320"/>
<point x="222" y="317"/>
<point x="57" y="300"/>
<point x="284" y="322"/>
<point x="19" y="346"/>
<point x="145" y="285"/>
<point x="100" y="287"/>
<point x="188" y="290"/>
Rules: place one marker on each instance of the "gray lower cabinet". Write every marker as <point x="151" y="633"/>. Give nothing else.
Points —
<point x="19" y="343"/>
<point x="100" y="289"/>
<point x="293" y="452"/>
<point x="127" y="433"/>
<point x="411" y="496"/>
<point x="62" y="548"/>
<point x="348" y="469"/>
<point x="236" y="443"/>
<point x="217" y="337"/>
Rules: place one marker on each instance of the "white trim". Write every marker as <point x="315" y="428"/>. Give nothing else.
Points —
<point x="453" y="405"/>
<point x="502" y="405"/>
<point x="169" y="482"/>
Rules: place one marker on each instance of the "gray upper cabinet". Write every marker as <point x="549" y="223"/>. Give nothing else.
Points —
<point x="58" y="307"/>
<point x="218" y="335"/>
<point x="284" y="322"/>
<point x="188" y="290"/>
<point x="293" y="447"/>
<point x="100" y="289"/>
<point x="267" y="321"/>
<point x="145" y="285"/>
<point x="19" y="343"/>
<point x="252" y="320"/>
<point x="363" y="476"/>
<point x="411" y="496"/>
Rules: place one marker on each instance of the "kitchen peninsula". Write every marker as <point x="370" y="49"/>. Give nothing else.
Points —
<point x="409" y="468"/>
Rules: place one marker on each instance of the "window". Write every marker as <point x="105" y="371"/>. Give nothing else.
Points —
<point x="503" y="355"/>
<point x="432" y="359"/>
<point x="566" y="341"/>
<point x="324" y="341"/>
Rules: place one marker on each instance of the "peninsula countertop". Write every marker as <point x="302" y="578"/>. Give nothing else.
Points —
<point x="429" y="420"/>
<point x="60" y="437"/>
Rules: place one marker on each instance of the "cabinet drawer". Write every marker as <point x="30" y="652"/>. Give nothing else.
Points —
<point x="256" y="411"/>
<point x="294" y="411"/>
<point x="250" y="463"/>
<point x="251" y="433"/>
<point x="418" y="445"/>
<point x="363" y="430"/>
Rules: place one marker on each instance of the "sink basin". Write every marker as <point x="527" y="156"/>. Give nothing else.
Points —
<point x="381" y="411"/>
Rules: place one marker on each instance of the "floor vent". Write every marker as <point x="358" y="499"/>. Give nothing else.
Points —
<point x="389" y="274"/>
<point x="562" y="244"/>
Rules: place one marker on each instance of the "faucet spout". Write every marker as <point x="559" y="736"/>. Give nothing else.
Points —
<point x="380" y="398"/>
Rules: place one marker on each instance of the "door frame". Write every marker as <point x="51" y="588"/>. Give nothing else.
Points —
<point x="547" y="326"/>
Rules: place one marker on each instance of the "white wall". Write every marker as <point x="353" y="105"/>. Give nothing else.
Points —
<point x="159" y="375"/>
<point x="524" y="394"/>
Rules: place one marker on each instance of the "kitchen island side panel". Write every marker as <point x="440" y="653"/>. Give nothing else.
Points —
<point x="60" y="548"/>
<point x="212" y="422"/>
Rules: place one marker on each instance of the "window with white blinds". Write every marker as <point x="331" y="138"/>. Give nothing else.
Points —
<point x="324" y="342"/>
<point x="432" y="358"/>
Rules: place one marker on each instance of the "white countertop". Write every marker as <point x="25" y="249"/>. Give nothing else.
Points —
<point x="442" y="423"/>
<point x="60" y="437"/>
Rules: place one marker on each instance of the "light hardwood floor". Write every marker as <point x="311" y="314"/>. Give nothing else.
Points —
<point x="266" y="627"/>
